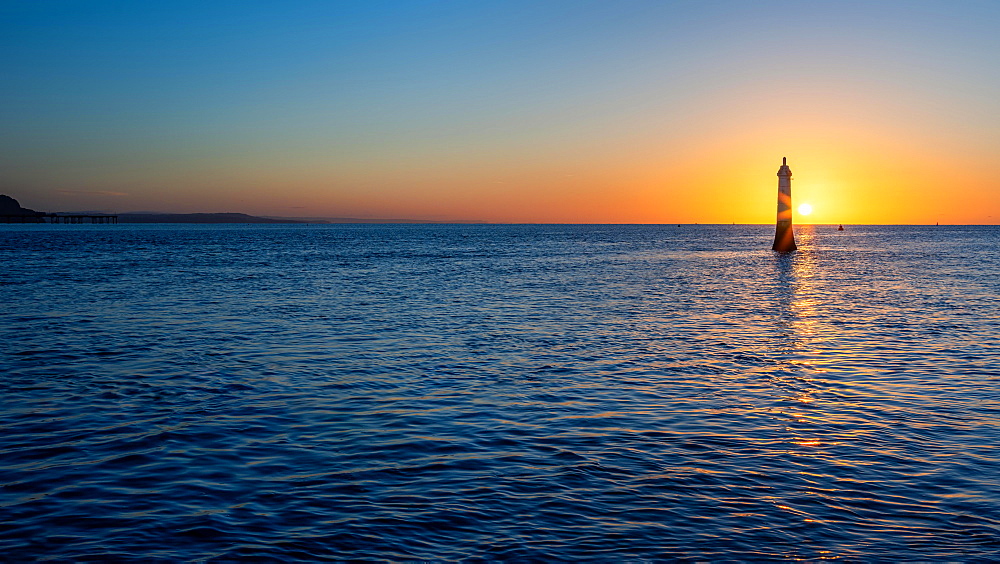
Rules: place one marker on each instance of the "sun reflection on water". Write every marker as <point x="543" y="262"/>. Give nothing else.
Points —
<point x="801" y="317"/>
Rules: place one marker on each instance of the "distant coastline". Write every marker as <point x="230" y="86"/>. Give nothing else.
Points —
<point x="230" y="217"/>
<point x="12" y="212"/>
<point x="199" y="218"/>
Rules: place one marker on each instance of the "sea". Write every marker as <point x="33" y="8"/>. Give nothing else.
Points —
<point x="523" y="393"/>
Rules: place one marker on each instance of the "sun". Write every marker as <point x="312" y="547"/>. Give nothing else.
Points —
<point x="805" y="209"/>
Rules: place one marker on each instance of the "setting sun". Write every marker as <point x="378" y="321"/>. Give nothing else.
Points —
<point x="805" y="209"/>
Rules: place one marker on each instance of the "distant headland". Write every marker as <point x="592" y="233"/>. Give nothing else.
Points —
<point x="199" y="218"/>
<point x="244" y="218"/>
<point x="12" y="212"/>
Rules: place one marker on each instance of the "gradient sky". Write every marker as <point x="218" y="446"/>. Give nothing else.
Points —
<point x="535" y="111"/>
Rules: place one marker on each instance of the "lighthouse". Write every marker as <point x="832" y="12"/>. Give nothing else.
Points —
<point x="784" y="239"/>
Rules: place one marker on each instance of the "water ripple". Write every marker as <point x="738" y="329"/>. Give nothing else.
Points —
<point x="498" y="393"/>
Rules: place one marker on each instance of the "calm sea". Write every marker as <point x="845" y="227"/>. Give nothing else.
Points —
<point x="498" y="392"/>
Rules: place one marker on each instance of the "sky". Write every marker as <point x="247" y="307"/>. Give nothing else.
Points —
<point x="525" y="112"/>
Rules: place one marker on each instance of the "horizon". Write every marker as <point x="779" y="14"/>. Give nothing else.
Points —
<point x="514" y="112"/>
<point x="402" y="220"/>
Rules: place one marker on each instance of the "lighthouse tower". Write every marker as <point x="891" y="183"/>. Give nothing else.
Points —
<point x="784" y="239"/>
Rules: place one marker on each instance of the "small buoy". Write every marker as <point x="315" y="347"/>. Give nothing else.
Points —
<point x="841" y="228"/>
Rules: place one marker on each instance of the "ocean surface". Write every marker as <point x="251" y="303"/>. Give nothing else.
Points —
<point x="498" y="392"/>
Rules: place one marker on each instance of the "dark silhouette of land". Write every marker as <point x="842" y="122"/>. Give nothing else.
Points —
<point x="244" y="218"/>
<point x="12" y="212"/>
<point x="388" y="220"/>
<point x="199" y="218"/>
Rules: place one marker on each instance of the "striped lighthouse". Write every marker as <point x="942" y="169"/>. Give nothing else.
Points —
<point x="784" y="239"/>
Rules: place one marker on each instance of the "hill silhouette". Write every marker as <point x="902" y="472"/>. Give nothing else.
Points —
<point x="11" y="207"/>
<point x="228" y="217"/>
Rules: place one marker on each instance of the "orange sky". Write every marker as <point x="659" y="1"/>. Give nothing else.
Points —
<point x="516" y="112"/>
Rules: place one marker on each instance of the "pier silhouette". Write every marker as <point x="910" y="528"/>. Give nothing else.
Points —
<point x="39" y="217"/>
<point x="12" y="212"/>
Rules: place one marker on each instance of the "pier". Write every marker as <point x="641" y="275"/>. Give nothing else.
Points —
<point x="59" y="218"/>
<point x="74" y="218"/>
